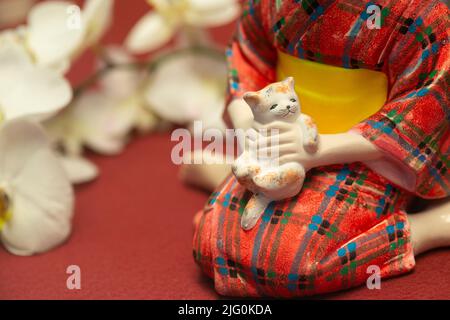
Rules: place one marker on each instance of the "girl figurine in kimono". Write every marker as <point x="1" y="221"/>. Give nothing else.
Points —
<point x="380" y="98"/>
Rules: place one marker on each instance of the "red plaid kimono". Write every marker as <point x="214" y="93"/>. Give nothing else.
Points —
<point x="347" y="217"/>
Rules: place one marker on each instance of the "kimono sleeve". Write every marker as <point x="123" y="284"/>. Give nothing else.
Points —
<point x="412" y="129"/>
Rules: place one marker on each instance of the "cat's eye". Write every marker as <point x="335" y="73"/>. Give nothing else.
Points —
<point x="293" y="100"/>
<point x="273" y="107"/>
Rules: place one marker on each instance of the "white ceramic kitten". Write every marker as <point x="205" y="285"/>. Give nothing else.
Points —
<point x="263" y="176"/>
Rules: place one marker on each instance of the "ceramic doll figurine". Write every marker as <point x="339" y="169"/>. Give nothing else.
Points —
<point x="380" y="98"/>
<point x="261" y="173"/>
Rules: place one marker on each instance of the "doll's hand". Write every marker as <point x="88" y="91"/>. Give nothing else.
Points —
<point x="290" y="144"/>
<point x="333" y="148"/>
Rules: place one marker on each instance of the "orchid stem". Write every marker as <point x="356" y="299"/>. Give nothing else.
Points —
<point x="151" y="65"/>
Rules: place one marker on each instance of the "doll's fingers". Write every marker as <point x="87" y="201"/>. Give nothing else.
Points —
<point x="286" y="144"/>
<point x="268" y="129"/>
<point x="252" y="145"/>
<point x="252" y="134"/>
<point x="279" y="150"/>
<point x="286" y="137"/>
<point x="287" y="159"/>
<point x="279" y="138"/>
<point x="288" y="148"/>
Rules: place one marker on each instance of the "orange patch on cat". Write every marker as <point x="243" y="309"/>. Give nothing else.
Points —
<point x="290" y="176"/>
<point x="282" y="89"/>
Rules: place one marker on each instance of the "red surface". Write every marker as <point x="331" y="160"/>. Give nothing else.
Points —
<point x="133" y="231"/>
<point x="132" y="239"/>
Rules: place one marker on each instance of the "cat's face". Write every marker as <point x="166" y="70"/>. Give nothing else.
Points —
<point x="278" y="101"/>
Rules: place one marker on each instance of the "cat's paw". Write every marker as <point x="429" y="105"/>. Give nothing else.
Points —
<point x="310" y="134"/>
<point x="279" y="178"/>
<point x="267" y="181"/>
<point x="311" y="143"/>
<point x="245" y="173"/>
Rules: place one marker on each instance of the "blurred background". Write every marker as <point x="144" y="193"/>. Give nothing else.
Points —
<point x="133" y="227"/>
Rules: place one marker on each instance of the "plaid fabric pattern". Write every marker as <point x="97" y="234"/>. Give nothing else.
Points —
<point x="345" y="219"/>
<point x="411" y="48"/>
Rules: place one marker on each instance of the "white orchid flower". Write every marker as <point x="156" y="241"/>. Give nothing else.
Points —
<point x="27" y="90"/>
<point x="97" y="17"/>
<point x="157" y="27"/>
<point x="125" y="77"/>
<point x="126" y="85"/>
<point x="101" y="119"/>
<point x="36" y="197"/>
<point x="78" y="169"/>
<point x="189" y="87"/>
<point x="93" y="120"/>
<point x="14" y="11"/>
<point x="104" y="121"/>
<point x="57" y="31"/>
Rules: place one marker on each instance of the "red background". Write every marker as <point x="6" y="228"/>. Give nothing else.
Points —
<point x="133" y="228"/>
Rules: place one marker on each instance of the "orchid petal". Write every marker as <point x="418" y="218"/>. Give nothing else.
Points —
<point x="41" y="92"/>
<point x="185" y="88"/>
<point x="120" y="82"/>
<point x="13" y="54"/>
<point x="210" y="5"/>
<point x="51" y="37"/>
<point x="105" y="122"/>
<point x="97" y="17"/>
<point x="40" y="193"/>
<point x="151" y="32"/>
<point x="78" y="169"/>
<point x="213" y="18"/>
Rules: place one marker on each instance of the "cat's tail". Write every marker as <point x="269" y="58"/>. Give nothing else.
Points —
<point x="254" y="210"/>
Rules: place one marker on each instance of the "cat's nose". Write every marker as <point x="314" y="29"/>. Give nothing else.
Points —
<point x="288" y="107"/>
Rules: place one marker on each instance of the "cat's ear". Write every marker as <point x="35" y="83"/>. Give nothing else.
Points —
<point x="290" y="82"/>
<point x="252" y="99"/>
